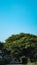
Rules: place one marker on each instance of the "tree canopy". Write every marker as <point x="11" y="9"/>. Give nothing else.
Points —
<point x="20" y="48"/>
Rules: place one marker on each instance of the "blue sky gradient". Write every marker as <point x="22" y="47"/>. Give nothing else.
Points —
<point x="17" y="16"/>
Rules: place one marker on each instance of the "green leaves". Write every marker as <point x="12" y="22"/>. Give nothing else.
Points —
<point x="21" y="45"/>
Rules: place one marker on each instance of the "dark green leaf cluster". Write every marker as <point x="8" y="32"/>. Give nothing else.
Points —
<point x="20" y="47"/>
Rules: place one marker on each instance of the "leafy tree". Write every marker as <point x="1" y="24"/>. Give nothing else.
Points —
<point x="19" y="45"/>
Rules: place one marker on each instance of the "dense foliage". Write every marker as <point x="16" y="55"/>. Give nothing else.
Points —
<point x="20" y="48"/>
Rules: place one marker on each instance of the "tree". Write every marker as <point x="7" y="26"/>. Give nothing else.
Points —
<point x="22" y="45"/>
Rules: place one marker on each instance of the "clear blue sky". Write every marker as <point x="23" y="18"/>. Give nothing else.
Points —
<point x="17" y="16"/>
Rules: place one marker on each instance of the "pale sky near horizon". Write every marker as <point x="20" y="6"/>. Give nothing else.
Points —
<point x="17" y="16"/>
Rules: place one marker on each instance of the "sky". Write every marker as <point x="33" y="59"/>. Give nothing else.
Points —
<point x="17" y="16"/>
